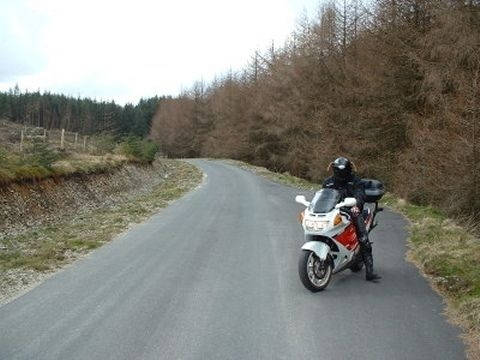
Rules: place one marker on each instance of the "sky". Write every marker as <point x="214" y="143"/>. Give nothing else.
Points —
<point x="125" y="50"/>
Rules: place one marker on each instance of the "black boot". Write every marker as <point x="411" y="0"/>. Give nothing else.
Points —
<point x="368" y="260"/>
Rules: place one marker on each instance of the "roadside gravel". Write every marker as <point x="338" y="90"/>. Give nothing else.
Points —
<point x="99" y="209"/>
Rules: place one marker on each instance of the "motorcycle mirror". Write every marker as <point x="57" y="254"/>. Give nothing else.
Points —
<point x="301" y="200"/>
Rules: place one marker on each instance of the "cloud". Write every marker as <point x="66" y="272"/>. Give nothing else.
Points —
<point x="20" y="33"/>
<point x="130" y="49"/>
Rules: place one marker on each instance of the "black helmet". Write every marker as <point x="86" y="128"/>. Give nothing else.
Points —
<point x="342" y="169"/>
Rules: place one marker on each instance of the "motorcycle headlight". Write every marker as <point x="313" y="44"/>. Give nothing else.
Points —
<point x="313" y="225"/>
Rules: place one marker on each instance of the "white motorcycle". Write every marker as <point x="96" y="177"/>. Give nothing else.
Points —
<point x="331" y="243"/>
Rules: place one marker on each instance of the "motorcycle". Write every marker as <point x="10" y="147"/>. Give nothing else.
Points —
<point x="331" y="243"/>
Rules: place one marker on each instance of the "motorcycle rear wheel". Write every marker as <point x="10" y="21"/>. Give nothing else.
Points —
<point x="315" y="274"/>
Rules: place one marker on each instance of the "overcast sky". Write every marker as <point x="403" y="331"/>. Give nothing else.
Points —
<point x="125" y="50"/>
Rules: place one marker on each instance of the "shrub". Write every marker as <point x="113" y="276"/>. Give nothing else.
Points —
<point x="3" y="155"/>
<point x="105" y="144"/>
<point x="131" y="147"/>
<point x="138" y="149"/>
<point x="150" y="149"/>
<point x="27" y="172"/>
<point x="40" y="154"/>
<point x="5" y="175"/>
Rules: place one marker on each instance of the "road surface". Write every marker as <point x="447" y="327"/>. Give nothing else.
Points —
<point x="214" y="276"/>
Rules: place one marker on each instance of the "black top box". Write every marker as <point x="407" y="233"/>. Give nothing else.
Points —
<point x="374" y="190"/>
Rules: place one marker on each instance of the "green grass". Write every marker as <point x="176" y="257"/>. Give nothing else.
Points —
<point x="49" y="247"/>
<point x="40" y="160"/>
<point x="16" y="166"/>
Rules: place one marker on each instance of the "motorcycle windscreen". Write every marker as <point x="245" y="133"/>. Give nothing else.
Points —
<point x="325" y="200"/>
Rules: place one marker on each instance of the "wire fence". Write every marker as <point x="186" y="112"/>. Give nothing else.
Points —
<point x="17" y="137"/>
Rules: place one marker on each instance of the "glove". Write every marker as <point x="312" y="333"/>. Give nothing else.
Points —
<point x="355" y="211"/>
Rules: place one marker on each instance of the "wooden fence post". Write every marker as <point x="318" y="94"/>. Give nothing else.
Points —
<point x="84" y="142"/>
<point x="21" y="140"/>
<point x="76" y="139"/>
<point x="62" y="140"/>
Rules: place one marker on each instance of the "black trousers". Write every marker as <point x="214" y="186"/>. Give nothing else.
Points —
<point x="365" y="245"/>
<point x="359" y="222"/>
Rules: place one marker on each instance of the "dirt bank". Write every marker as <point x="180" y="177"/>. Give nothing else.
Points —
<point x="49" y="224"/>
<point x="30" y="204"/>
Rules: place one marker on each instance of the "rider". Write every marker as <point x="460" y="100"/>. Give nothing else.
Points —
<point x="350" y="185"/>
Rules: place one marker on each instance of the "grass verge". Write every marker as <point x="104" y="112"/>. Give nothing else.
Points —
<point x="285" y="178"/>
<point x="40" y="158"/>
<point x="47" y="248"/>
<point x="446" y="251"/>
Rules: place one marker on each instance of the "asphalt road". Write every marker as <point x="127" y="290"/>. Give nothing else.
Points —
<point x="214" y="276"/>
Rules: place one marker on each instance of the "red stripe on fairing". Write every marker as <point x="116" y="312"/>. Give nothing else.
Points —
<point x="348" y="238"/>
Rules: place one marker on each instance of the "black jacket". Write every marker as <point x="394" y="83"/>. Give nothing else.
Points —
<point x="352" y="188"/>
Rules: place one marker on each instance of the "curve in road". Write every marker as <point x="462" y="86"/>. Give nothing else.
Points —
<point x="214" y="276"/>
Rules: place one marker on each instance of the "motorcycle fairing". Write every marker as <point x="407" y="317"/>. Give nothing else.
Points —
<point x="348" y="237"/>
<point x="341" y="258"/>
<point x="319" y="248"/>
<point x="344" y="256"/>
<point x="330" y="231"/>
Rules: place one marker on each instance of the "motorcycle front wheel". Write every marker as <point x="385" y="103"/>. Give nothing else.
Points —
<point x="315" y="274"/>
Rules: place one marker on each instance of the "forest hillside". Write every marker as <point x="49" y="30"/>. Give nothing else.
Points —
<point x="83" y="115"/>
<point x="45" y="135"/>
<point x="393" y="85"/>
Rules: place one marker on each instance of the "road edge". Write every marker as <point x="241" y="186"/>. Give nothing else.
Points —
<point x="469" y="325"/>
<point x="177" y="184"/>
